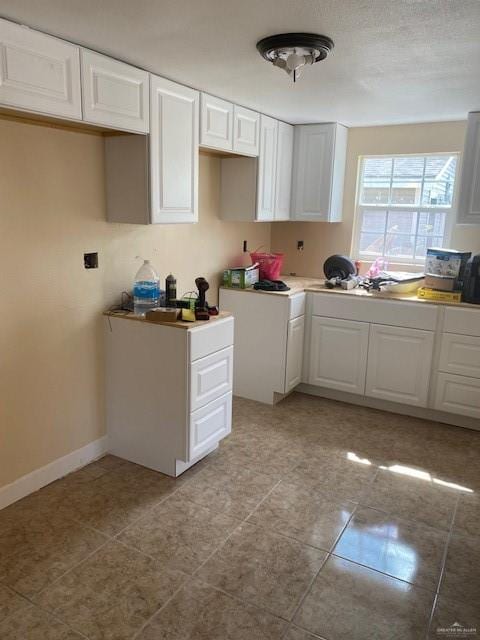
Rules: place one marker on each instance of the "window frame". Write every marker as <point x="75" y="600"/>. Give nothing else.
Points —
<point x="450" y="212"/>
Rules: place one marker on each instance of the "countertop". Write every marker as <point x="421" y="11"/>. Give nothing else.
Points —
<point x="179" y="324"/>
<point x="298" y="284"/>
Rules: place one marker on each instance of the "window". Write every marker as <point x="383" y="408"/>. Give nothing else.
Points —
<point x="404" y="206"/>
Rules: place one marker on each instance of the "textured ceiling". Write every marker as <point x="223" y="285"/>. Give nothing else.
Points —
<point x="394" y="61"/>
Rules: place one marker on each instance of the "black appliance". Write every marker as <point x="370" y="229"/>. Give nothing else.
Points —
<point x="471" y="280"/>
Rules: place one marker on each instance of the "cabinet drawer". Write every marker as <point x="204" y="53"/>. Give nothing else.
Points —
<point x="460" y="354"/>
<point x="210" y="377"/>
<point x="411" y="315"/>
<point x="213" y="336"/>
<point x="209" y="425"/>
<point x="464" y="321"/>
<point x="297" y="306"/>
<point x="458" y="394"/>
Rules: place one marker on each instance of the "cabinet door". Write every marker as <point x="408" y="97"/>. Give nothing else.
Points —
<point x="114" y="94"/>
<point x="173" y="152"/>
<point x="283" y="190"/>
<point x="293" y="371"/>
<point x="338" y="354"/>
<point x="209" y="425"/>
<point x="458" y="394"/>
<point x="246" y="131"/>
<point x="267" y="168"/>
<point x="216" y="127"/>
<point x="469" y="194"/>
<point x="399" y="362"/>
<point x="39" y="73"/>
<point x="319" y="169"/>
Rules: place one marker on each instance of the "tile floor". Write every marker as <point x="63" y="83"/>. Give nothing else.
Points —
<point x="314" y="519"/>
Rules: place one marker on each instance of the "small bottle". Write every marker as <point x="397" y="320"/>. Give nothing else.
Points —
<point x="146" y="289"/>
<point x="170" y="290"/>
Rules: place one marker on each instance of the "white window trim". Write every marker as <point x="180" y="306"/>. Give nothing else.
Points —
<point x="450" y="218"/>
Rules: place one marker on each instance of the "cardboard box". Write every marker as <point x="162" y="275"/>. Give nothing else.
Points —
<point x="240" y="278"/>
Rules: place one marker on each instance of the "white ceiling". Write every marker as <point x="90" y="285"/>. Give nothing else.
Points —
<point x="395" y="61"/>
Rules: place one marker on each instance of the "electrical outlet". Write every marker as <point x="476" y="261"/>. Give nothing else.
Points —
<point x="299" y="245"/>
<point x="90" y="260"/>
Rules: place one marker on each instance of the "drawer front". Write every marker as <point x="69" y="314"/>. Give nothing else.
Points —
<point x="460" y="354"/>
<point x="209" y="425"/>
<point x="210" y="378"/>
<point x="297" y="305"/>
<point x="411" y="315"/>
<point x="458" y="394"/>
<point x="464" y="321"/>
<point x="211" y="337"/>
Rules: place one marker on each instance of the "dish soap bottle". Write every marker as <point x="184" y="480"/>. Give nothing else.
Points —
<point x="146" y="289"/>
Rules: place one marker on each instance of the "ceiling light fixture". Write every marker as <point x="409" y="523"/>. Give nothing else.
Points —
<point x="292" y="51"/>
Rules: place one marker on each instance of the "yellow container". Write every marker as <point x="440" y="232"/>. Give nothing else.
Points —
<point x="439" y="296"/>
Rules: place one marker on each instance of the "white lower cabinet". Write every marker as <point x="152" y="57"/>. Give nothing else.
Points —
<point x="268" y="351"/>
<point x="338" y="354"/>
<point x="293" y="370"/>
<point x="458" y="394"/>
<point x="168" y="390"/>
<point x="399" y="362"/>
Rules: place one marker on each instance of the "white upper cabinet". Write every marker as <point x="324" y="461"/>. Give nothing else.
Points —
<point x="283" y="187"/>
<point x="174" y="111"/>
<point x="319" y="169"/>
<point x="267" y="169"/>
<point x="246" y="131"/>
<point x="114" y="94"/>
<point x="39" y="73"/>
<point x="216" y="125"/>
<point x="469" y="197"/>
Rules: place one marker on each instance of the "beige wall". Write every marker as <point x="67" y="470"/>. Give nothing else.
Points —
<point x="52" y="210"/>
<point x="322" y="239"/>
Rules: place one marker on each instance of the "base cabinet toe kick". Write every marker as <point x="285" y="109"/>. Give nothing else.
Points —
<point x="407" y="357"/>
<point x="168" y="390"/>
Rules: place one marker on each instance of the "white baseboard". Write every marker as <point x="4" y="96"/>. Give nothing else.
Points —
<point x="53" y="471"/>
